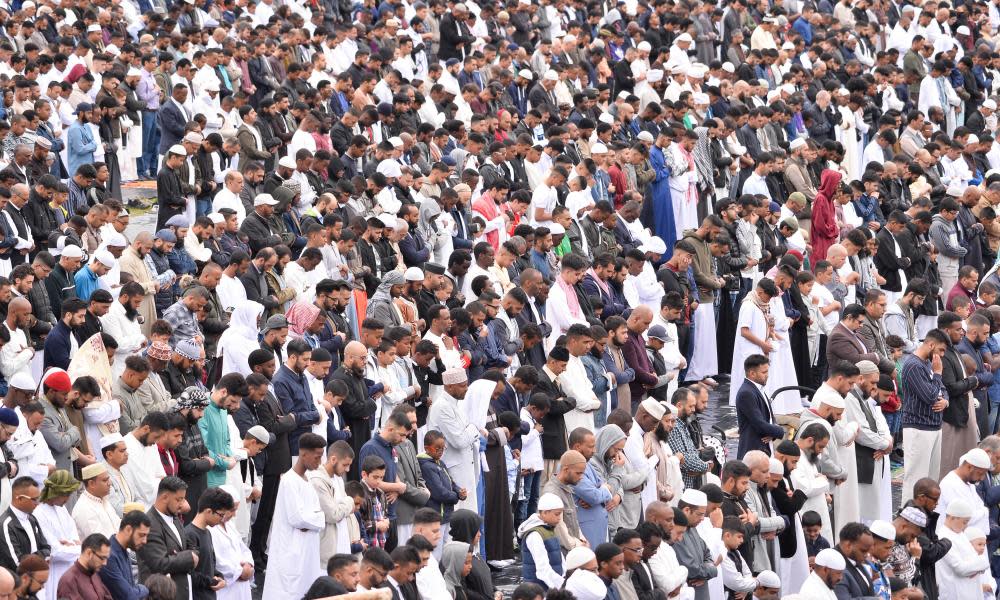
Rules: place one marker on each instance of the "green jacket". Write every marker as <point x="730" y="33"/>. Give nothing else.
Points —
<point x="214" y="426"/>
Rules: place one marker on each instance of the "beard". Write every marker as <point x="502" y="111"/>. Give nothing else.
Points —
<point x="131" y="313"/>
<point x="661" y="433"/>
<point x="832" y="421"/>
<point x="356" y="371"/>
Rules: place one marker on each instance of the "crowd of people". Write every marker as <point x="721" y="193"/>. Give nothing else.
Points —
<point x="440" y="290"/>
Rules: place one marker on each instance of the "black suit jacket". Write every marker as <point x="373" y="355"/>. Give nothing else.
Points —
<point x="554" y="425"/>
<point x="270" y="415"/>
<point x="887" y="262"/>
<point x="755" y="419"/>
<point x="166" y="554"/>
<point x="540" y="98"/>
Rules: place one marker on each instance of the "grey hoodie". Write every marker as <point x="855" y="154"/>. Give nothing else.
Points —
<point x="944" y="234"/>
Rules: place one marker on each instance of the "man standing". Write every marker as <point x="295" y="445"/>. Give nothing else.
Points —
<point x="753" y="408"/>
<point x="166" y="551"/>
<point x="21" y="533"/>
<point x="959" y="425"/>
<point x="830" y="565"/>
<point x="461" y="437"/>
<point x="874" y="443"/>
<point x="692" y="551"/>
<point x="960" y="484"/>
<point x="297" y="526"/>
<point x="921" y="385"/>
<point x="93" y="511"/>
<point x="214" y="425"/>
<point x="117" y="573"/>
<point x="81" y="581"/>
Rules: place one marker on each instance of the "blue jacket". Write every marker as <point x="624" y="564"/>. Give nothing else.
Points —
<point x="623" y="377"/>
<point x="57" y="346"/>
<point x="86" y="283"/>
<point x="444" y="491"/>
<point x="293" y="392"/>
<point x="332" y="433"/>
<point x="117" y="575"/>
<point x="415" y="252"/>
<point x="595" y="373"/>
<point x="80" y="146"/>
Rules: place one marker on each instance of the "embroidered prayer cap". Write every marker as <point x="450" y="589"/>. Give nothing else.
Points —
<point x="189" y="349"/>
<point x="914" y="515"/>
<point x="261" y="435"/>
<point x="867" y="367"/>
<point x="59" y="483"/>
<point x="159" y="350"/>
<point x="831" y="559"/>
<point x="454" y="377"/>
<point x="193" y="398"/>
<point x="91" y="471"/>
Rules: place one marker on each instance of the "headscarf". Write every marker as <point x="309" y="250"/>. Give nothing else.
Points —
<point x="609" y="436"/>
<point x="59" y="483"/>
<point x="300" y="316"/>
<point x="240" y="338"/>
<point x="388" y="280"/>
<point x="465" y="525"/>
<point x="453" y="558"/>
<point x="477" y="402"/>
<point x="428" y="211"/>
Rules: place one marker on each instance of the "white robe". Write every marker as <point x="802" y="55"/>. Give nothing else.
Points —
<point x="94" y="515"/>
<point x="558" y="314"/>
<point x="642" y="289"/>
<point x="462" y="446"/>
<point x="576" y="385"/>
<point x="753" y="319"/>
<point x="32" y="454"/>
<point x="847" y="134"/>
<point x="230" y="552"/>
<point x="814" y="589"/>
<point x="958" y="572"/>
<point x="712" y="537"/>
<point x="294" y="541"/>
<point x="781" y="357"/>
<point x="793" y="571"/>
<point x="952" y="489"/>
<point x="874" y="504"/>
<point x="845" y="495"/>
<point x="143" y="471"/>
<point x="57" y="526"/>
<point x="815" y="486"/>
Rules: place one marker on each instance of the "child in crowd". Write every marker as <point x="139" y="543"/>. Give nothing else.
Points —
<point x="540" y="551"/>
<point x="812" y="525"/>
<point x="356" y="532"/>
<point x="374" y="508"/>
<point x="531" y="456"/>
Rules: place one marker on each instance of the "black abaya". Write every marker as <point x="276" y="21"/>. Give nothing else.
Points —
<point x="500" y="526"/>
<point x="465" y="525"/>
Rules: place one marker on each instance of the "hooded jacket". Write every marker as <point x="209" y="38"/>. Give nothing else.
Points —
<point x="824" y="232"/>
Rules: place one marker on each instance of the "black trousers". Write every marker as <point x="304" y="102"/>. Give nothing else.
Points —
<point x="265" y="512"/>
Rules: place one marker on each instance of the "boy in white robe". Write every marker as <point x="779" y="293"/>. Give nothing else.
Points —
<point x="233" y="559"/>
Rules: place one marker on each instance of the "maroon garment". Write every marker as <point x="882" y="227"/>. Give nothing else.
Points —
<point x="78" y="584"/>
<point x="634" y="352"/>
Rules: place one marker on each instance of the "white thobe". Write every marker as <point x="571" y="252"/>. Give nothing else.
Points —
<point x="100" y="415"/>
<point x="32" y="454"/>
<point x="230" y="554"/>
<point x="430" y="581"/>
<point x="815" y="589"/>
<point x="231" y="292"/>
<point x="815" y="486"/>
<point x="871" y="500"/>
<point x="57" y="526"/>
<point x="95" y="515"/>
<point x="958" y="572"/>
<point x="953" y="488"/>
<point x="294" y="541"/>
<point x="644" y="289"/>
<point x="558" y="313"/>
<point x="462" y="445"/>
<point x="143" y="471"/>
<point x="576" y="385"/>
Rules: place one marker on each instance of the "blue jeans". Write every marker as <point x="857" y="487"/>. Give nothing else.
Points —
<point x="150" y="144"/>
<point x="203" y="206"/>
<point x="531" y="483"/>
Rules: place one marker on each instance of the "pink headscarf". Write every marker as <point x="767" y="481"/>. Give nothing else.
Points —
<point x="300" y="316"/>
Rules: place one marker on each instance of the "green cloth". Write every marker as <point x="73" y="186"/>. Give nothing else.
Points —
<point x="214" y="426"/>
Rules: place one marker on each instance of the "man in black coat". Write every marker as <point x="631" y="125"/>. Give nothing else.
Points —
<point x="753" y="410"/>
<point x="889" y="258"/>
<point x="13" y="536"/>
<point x="456" y="38"/>
<point x="542" y="95"/>
<point x="553" y="424"/>
<point x="358" y="407"/>
<point x="165" y="551"/>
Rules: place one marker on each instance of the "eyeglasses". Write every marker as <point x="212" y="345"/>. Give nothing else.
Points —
<point x="636" y="550"/>
<point x="34" y="499"/>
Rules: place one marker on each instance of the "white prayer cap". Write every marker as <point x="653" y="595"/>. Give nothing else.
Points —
<point x="654" y="75"/>
<point x="989" y="104"/>
<point x="831" y="559"/>
<point x="832" y="400"/>
<point x="548" y="501"/>
<point x="212" y="85"/>
<point x="22" y="381"/>
<point x="644" y="47"/>
<point x="843" y="92"/>
<point x="772" y="95"/>
<point x="769" y="579"/>
<point x="654" y="407"/>
<point x="974" y="533"/>
<point x="963" y="30"/>
<point x="526" y="74"/>
<point x="909" y="8"/>
<point x="193" y="137"/>
<point x="110" y="440"/>
<point x="389" y="168"/>
<point x="972" y="139"/>
<point x="797" y="143"/>
<point x="624" y="94"/>
<point x="645" y="136"/>
<point x="694" y="497"/>
<point x="287" y="161"/>
<point x="598" y="148"/>
<point x="93" y="28"/>
<point x="72" y="251"/>
<point x="955" y="190"/>
<point x="728" y="67"/>
<point x="569" y="37"/>
<point x="133" y="72"/>
<point x="787" y="88"/>
<point x="883" y="529"/>
<point x="178" y="150"/>
<point x="685" y="37"/>
<point x="701" y="98"/>
<point x="762" y="83"/>
<point x="654" y="245"/>
<point x="396" y="141"/>
<point x="670" y="407"/>
<point x="454" y="377"/>
<point x="556" y="229"/>
<point x="451" y="87"/>
<point x="788" y="46"/>
<point x="697" y="70"/>
<point x="606" y="118"/>
<point x="579" y="556"/>
<point x="586" y="585"/>
<point x="388" y="220"/>
<point x="413" y="274"/>
<point x="775" y="466"/>
<point x="598" y="44"/>
<point x="216" y="218"/>
<point x="105" y="258"/>
<point x="960" y="509"/>
<point x="867" y="367"/>
<point x="677" y="70"/>
<point x="551" y="75"/>
<point x="27" y="5"/>
<point x="977" y="457"/>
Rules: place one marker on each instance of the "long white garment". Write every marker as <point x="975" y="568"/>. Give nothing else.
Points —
<point x="461" y="445"/>
<point x="576" y="385"/>
<point x="127" y="333"/>
<point x="870" y="498"/>
<point x="847" y="134"/>
<point x="814" y="485"/>
<point x="793" y="571"/>
<point x="231" y="292"/>
<point x="32" y="454"/>
<point x="668" y="574"/>
<point x="95" y="515"/>
<point x="705" y="360"/>
<point x="642" y="289"/>
<point x="683" y="193"/>
<point x="558" y="314"/>
<point x="234" y="477"/>
<point x="98" y="416"/>
<point x="958" y="572"/>
<point x="294" y="541"/>
<point x="143" y="471"/>
<point x="60" y="532"/>
<point x="754" y="320"/>
<point x="635" y="453"/>
<point x="430" y="581"/>
<point x="814" y="589"/>
<point x="713" y="541"/>
<point x="240" y="338"/>
<point x="953" y="488"/>
<point x="781" y="356"/>
<point x="230" y="553"/>
<point x="845" y="495"/>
